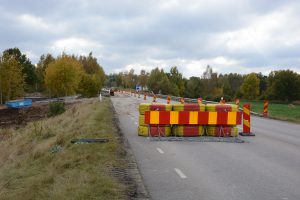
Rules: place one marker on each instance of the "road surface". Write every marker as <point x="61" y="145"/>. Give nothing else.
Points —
<point x="267" y="167"/>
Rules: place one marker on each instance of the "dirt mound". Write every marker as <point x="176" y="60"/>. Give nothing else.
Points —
<point x="11" y="117"/>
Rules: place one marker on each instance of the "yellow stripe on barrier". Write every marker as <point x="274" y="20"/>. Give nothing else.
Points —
<point x="174" y="117"/>
<point x="193" y="117"/>
<point x="247" y="123"/>
<point x="154" y="117"/>
<point x="212" y="118"/>
<point x="231" y="119"/>
<point x="246" y="111"/>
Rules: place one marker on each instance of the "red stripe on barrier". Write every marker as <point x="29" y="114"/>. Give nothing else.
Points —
<point x="154" y="130"/>
<point x="239" y="118"/>
<point x="147" y="117"/>
<point x="164" y="117"/>
<point x="202" y="117"/>
<point x="191" y="107"/>
<point x="184" y="117"/>
<point x="223" y="108"/>
<point x="156" y="107"/>
<point x="222" y="118"/>
<point x="190" y="131"/>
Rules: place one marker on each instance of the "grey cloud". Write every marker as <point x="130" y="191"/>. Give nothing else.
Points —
<point x="132" y="31"/>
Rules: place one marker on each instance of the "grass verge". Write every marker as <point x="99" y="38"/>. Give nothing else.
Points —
<point x="287" y="112"/>
<point x="39" y="162"/>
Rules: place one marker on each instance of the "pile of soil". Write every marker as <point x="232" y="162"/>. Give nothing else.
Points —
<point x="16" y="118"/>
<point x="11" y="117"/>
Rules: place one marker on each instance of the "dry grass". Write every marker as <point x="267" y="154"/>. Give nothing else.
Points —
<point x="29" y="169"/>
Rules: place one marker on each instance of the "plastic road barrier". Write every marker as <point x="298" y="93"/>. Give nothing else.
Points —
<point x="154" y="131"/>
<point x="189" y="107"/>
<point x="221" y="108"/>
<point x="222" y="131"/>
<point x="154" y="107"/>
<point x="188" y="131"/>
<point x="266" y="106"/>
<point x="246" y="121"/>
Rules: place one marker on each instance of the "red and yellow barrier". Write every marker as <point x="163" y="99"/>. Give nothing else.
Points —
<point x="192" y="117"/>
<point x="188" y="131"/>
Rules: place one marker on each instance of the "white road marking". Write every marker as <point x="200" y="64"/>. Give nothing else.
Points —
<point x="160" y="150"/>
<point x="180" y="173"/>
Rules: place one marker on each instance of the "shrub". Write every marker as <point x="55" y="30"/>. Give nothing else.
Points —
<point x="56" y="108"/>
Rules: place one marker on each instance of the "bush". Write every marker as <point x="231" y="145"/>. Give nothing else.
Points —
<point x="56" y="108"/>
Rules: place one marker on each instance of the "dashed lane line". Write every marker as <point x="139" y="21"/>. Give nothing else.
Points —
<point x="160" y="150"/>
<point x="180" y="173"/>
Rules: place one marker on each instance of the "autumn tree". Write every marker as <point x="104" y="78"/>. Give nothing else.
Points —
<point x="40" y="70"/>
<point x="63" y="76"/>
<point x="194" y="88"/>
<point x="158" y="82"/>
<point x="26" y="66"/>
<point x="177" y="82"/>
<point x="94" y="79"/>
<point x="143" y="78"/>
<point x="11" y="78"/>
<point x="284" y="85"/>
<point x="250" y="87"/>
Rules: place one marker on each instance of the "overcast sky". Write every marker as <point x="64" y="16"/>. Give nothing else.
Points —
<point x="236" y="36"/>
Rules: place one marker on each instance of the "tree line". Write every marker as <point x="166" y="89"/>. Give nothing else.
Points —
<point x="281" y="85"/>
<point x="60" y="76"/>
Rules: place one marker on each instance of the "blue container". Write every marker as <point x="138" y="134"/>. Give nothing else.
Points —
<point x="20" y="103"/>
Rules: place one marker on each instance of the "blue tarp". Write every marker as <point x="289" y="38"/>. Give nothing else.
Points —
<point x="19" y="103"/>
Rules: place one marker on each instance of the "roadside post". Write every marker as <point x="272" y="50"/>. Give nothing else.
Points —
<point x="246" y="121"/>
<point x="266" y="106"/>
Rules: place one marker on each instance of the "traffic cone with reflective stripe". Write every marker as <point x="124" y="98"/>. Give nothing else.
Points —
<point x="169" y="100"/>
<point x="154" y="98"/>
<point x="182" y="100"/>
<point x="200" y="100"/>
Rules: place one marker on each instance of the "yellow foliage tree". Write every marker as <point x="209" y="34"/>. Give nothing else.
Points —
<point x="63" y="76"/>
<point x="11" y="79"/>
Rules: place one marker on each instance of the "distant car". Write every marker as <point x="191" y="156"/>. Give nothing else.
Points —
<point x="111" y="92"/>
<point x="105" y="92"/>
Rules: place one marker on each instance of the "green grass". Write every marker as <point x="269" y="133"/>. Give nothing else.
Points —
<point x="29" y="170"/>
<point x="286" y="112"/>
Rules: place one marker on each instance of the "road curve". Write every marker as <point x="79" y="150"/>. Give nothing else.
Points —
<point x="267" y="167"/>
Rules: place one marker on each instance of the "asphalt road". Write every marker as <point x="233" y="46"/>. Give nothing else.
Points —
<point x="267" y="167"/>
